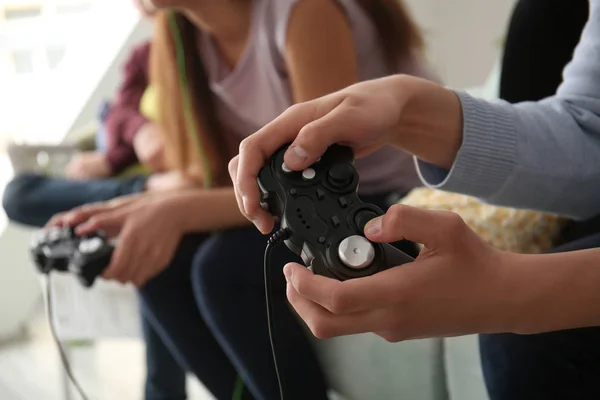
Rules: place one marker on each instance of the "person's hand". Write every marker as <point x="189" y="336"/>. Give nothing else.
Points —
<point x="458" y="285"/>
<point x="363" y="116"/>
<point x="148" y="146"/>
<point x="169" y="181"/>
<point x="148" y="229"/>
<point x="88" y="165"/>
<point x="84" y="213"/>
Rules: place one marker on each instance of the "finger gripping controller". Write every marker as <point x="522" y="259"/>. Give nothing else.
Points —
<point x="60" y="249"/>
<point x="325" y="219"/>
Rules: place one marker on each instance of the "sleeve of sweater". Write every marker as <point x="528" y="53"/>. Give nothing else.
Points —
<point x="540" y="155"/>
<point x="124" y="118"/>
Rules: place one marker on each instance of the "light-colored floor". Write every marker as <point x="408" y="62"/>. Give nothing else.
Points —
<point x="30" y="369"/>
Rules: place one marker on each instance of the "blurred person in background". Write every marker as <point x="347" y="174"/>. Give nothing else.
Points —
<point x="132" y="137"/>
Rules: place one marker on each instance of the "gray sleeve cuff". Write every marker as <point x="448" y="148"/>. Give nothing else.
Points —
<point x="487" y="155"/>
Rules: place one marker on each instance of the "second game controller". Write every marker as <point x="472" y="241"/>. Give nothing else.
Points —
<point x="325" y="219"/>
<point x="60" y="249"/>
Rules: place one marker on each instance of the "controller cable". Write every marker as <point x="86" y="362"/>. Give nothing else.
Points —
<point x="275" y="239"/>
<point x="61" y="350"/>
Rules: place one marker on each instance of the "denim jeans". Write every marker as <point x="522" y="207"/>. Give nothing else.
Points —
<point x="34" y="199"/>
<point x="209" y="308"/>
<point x="555" y="365"/>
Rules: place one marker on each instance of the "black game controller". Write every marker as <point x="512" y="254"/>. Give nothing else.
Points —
<point x="60" y="249"/>
<point x="323" y="216"/>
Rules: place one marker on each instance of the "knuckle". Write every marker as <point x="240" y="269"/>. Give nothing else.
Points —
<point x="247" y="145"/>
<point x="454" y="222"/>
<point x="232" y="166"/>
<point x="94" y="221"/>
<point x="300" y="286"/>
<point x="338" y="302"/>
<point x="392" y="337"/>
<point x="321" y="329"/>
<point x="294" y="108"/>
<point x="354" y="101"/>
<point x="396" y="214"/>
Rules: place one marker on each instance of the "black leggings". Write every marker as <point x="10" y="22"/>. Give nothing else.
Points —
<point x="542" y="35"/>
<point x="208" y="307"/>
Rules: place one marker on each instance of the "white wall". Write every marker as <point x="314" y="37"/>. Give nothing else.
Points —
<point x="462" y="36"/>
<point x="109" y="81"/>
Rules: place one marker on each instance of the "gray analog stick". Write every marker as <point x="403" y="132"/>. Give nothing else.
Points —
<point x="356" y="252"/>
<point x="89" y="246"/>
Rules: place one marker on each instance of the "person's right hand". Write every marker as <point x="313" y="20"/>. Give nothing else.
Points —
<point x="148" y="226"/>
<point x="88" y="165"/>
<point x="363" y="116"/>
<point x="148" y="146"/>
<point x="458" y="285"/>
<point x="87" y="212"/>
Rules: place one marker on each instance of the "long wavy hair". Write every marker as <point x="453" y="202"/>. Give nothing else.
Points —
<point x="399" y="36"/>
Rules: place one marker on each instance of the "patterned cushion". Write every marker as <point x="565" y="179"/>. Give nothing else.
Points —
<point x="519" y="231"/>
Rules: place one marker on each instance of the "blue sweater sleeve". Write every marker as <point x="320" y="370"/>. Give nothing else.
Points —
<point x="540" y="155"/>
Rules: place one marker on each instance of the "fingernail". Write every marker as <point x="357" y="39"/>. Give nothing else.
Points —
<point x="297" y="155"/>
<point x="373" y="227"/>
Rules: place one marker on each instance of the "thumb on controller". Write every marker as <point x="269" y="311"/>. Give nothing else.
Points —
<point x="400" y="222"/>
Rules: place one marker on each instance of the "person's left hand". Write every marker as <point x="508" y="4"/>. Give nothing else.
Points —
<point x="458" y="285"/>
<point x="148" y="228"/>
<point x="88" y="165"/>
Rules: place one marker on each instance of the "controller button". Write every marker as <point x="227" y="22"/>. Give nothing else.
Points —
<point x="92" y="245"/>
<point x="293" y="192"/>
<point x="264" y="206"/>
<point x="335" y="220"/>
<point x="309" y="174"/>
<point x="362" y="217"/>
<point x="341" y="174"/>
<point x="322" y="239"/>
<point x="320" y="194"/>
<point x="343" y="202"/>
<point x="285" y="168"/>
<point x="356" y="252"/>
<point x="54" y="235"/>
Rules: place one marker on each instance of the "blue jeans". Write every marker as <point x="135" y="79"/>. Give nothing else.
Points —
<point x="34" y="199"/>
<point x="555" y="365"/>
<point x="209" y="308"/>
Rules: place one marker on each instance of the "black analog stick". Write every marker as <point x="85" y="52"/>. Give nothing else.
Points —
<point x="362" y="217"/>
<point x="341" y="175"/>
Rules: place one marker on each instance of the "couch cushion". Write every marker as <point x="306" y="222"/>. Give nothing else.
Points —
<point x="362" y="367"/>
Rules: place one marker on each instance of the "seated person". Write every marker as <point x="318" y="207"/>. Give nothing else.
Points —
<point x="196" y="259"/>
<point x="132" y="136"/>
<point x="539" y="313"/>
